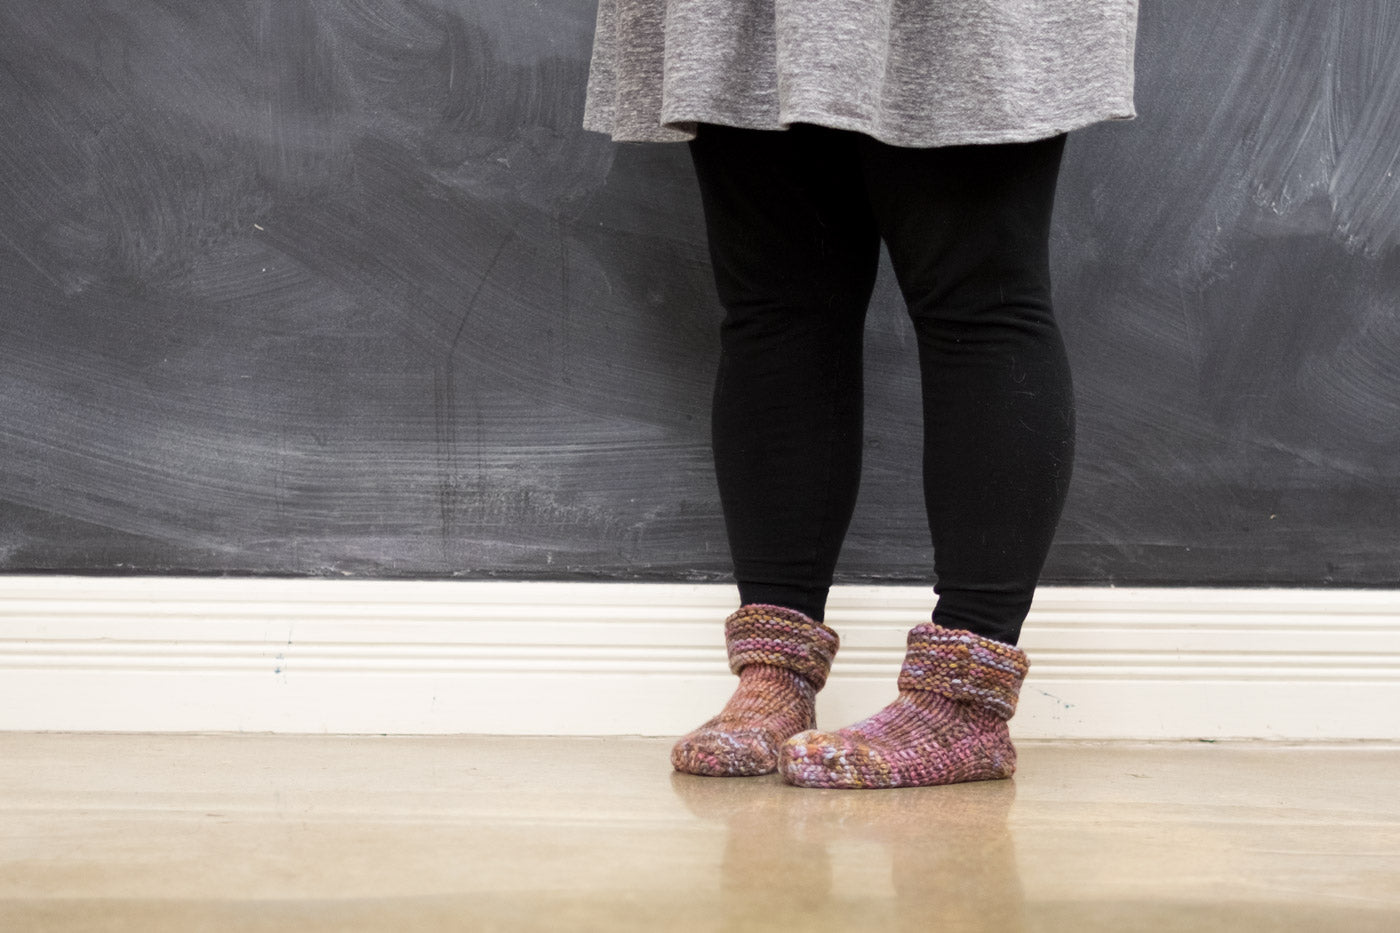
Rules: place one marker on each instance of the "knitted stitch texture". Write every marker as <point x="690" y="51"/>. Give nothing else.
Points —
<point x="762" y="634"/>
<point x="782" y="658"/>
<point x="947" y="726"/>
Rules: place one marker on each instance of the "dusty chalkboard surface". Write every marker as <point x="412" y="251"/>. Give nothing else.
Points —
<point x="290" y="287"/>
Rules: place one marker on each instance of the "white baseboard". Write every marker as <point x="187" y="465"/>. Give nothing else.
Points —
<point x="314" y="656"/>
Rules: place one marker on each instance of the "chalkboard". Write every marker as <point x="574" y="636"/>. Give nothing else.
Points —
<point x="308" y="288"/>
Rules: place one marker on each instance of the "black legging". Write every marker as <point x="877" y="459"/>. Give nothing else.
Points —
<point x="795" y="220"/>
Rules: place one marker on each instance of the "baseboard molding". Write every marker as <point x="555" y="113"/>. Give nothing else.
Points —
<point x="317" y="656"/>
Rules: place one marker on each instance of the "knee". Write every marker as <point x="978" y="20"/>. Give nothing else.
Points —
<point x="979" y="307"/>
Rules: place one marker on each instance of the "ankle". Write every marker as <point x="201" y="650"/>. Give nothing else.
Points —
<point x="972" y="671"/>
<point x="772" y="636"/>
<point x="778" y="679"/>
<point x="772" y="673"/>
<point x="767" y="690"/>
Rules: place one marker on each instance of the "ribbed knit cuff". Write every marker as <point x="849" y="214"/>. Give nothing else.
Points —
<point x="762" y="634"/>
<point x="964" y="667"/>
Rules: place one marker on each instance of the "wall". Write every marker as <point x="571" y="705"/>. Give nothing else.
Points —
<point x="311" y="288"/>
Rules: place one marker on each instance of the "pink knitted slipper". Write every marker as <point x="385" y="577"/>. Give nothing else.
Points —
<point x="948" y="724"/>
<point x="782" y="658"/>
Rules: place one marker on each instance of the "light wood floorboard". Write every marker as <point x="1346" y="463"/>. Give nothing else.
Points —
<point x="256" y="832"/>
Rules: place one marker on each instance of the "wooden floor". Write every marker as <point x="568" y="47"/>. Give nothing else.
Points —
<point x="234" y="833"/>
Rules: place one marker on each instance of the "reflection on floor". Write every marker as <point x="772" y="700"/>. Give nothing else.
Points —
<point x="234" y="833"/>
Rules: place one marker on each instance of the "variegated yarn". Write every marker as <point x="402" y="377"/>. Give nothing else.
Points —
<point x="947" y="726"/>
<point x="782" y="658"/>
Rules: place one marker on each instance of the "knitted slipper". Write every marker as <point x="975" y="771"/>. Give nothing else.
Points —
<point x="948" y="724"/>
<point x="782" y="658"/>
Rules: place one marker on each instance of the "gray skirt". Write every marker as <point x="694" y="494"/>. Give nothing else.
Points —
<point x="907" y="72"/>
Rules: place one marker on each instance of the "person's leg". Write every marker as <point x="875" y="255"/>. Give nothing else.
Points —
<point x="795" y="251"/>
<point x="968" y="231"/>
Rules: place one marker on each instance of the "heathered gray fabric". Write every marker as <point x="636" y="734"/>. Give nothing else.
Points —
<point x="908" y="72"/>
